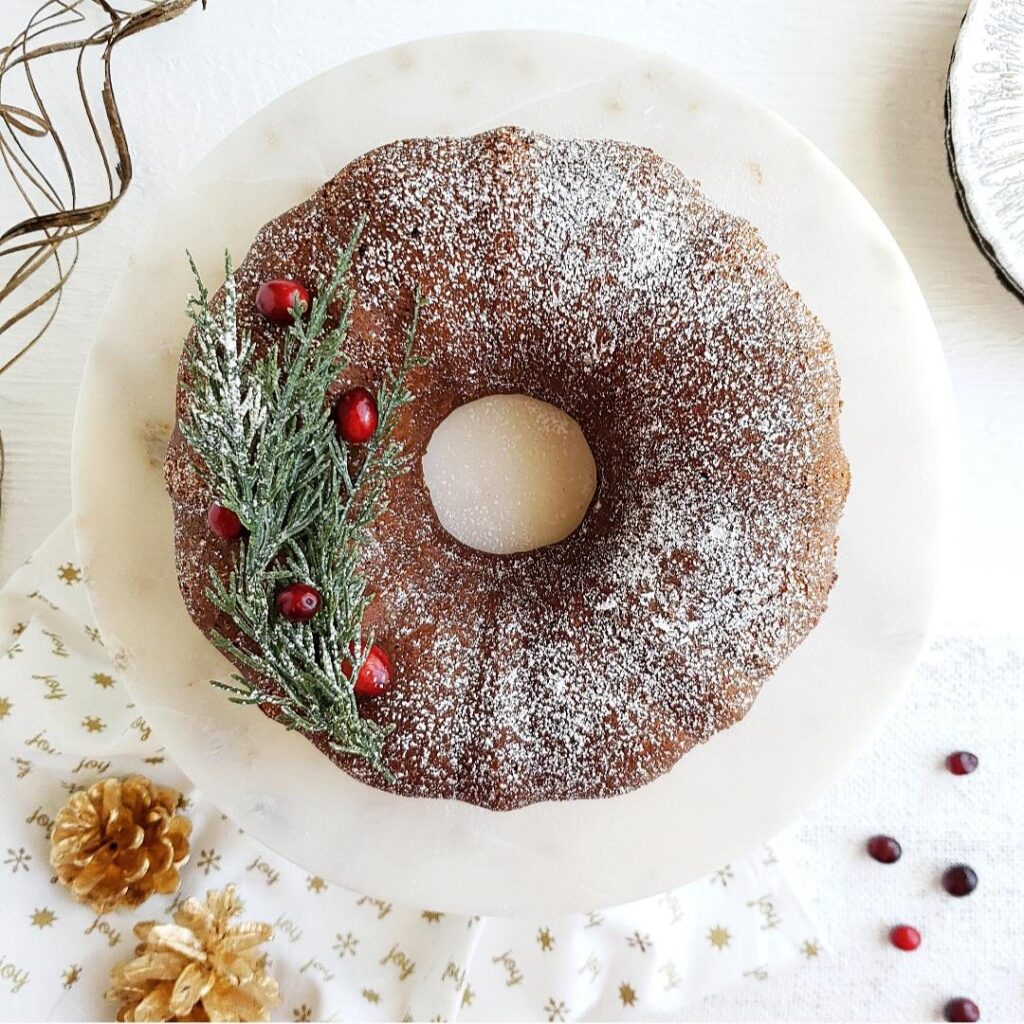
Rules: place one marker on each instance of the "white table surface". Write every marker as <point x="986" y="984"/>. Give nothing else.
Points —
<point x="864" y="80"/>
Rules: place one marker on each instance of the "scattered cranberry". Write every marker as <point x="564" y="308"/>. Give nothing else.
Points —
<point x="275" y="300"/>
<point x="959" y="880"/>
<point x="904" y="937"/>
<point x="962" y="762"/>
<point x="356" y="416"/>
<point x="223" y="522"/>
<point x="961" y="1010"/>
<point x="376" y="675"/>
<point x="298" y="602"/>
<point x="885" y="849"/>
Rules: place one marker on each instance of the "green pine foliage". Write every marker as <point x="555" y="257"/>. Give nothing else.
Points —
<point x="269" y="451"/>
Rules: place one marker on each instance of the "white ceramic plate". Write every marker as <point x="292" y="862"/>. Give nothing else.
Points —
<point x="810" y="719"/>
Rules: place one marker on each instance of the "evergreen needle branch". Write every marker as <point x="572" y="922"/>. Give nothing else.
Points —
<point x="267" y="449"/>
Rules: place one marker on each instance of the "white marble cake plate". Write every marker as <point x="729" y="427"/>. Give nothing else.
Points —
<point x="810" y="719"/>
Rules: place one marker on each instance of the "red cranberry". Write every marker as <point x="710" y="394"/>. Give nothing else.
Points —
<point x="376" y="676"/>
<point x="298" y="602"/>
<point x="904" y="937"/>
<point x="276" y="298"/>
<point x="959" y="880"/>
<point x="961" y="1010"/>
<point x="223" y="522"/>
<point x="885" y="849"/>
<point x="356" y="416"/>
<point x="962" y="762"/>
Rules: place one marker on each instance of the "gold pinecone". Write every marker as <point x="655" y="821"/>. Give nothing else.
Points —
<point x="202" y="967"/>
<point x="119" y="841"/>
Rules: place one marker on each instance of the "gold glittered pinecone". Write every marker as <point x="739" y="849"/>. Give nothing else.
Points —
<point x="119" y="841"/>
<point x="202" y="967"/>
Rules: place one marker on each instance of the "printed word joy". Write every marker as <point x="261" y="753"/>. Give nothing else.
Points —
<point x="382" y="906"/>
<point x="512" y="973"/>
<point x="90" y="764"/>
<point x="15" y="976"/>
<point x="101" y="927"/>
<point x="54" y="691"/>
<point x="401" y="960"/>
<point x="262" y="867"/>
<point x="768" y="912"/>
<point x="40" y="741"/>
<point x="317" y="967"/>
<point x="289" y="927"/>
<point x="42" y="819"/>
<point x="143" y="728"/>
<point x="456" y="973"/>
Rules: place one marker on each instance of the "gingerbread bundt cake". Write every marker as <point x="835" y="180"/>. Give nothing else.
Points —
<point x="595" y="276"/>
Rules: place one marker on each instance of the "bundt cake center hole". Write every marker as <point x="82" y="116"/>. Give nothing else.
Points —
<point x="509" y="473"/>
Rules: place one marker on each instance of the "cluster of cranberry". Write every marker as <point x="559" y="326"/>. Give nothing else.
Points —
<point x="356" y="417"/>
<point x="958" y="880"/>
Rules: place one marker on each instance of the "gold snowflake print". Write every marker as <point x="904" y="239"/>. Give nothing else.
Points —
<point x="627" y="994"/>
<point x="556" y="1009"/>
<point x="69" y="574"/>
<point x="18" y="859"/>
<point x="19" y="628"/>
<point x="638" y="941"/>
<point x="346" y="944"/>
<point x="302" y="1012"/>
<point x="810" y="950"/>
<point x="102" y="679"/>
<point x="209" y="860"/>
<point x="723" y="876"/>
<point x="719" y="937"/>
<point x="468" y="995"/>
<point x="5" y="707"/>
<point x="71" y="975"/>
<point x="545" y="939"/>
<point x="93" y="634"/>
<point x="43" y="918"/>
<point x="315" y="884"/>
<point x="93" y="724"/>
<point x="432" y="916"/>
<point x="370" y="995"/>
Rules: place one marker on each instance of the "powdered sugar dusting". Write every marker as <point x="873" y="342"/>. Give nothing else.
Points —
<point x="596" y="277"/>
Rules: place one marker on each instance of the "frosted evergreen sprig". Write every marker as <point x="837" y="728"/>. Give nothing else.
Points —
<point x="269" y="451"/>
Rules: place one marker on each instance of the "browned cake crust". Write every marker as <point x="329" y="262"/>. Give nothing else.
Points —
<point x="595" y="276"/>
